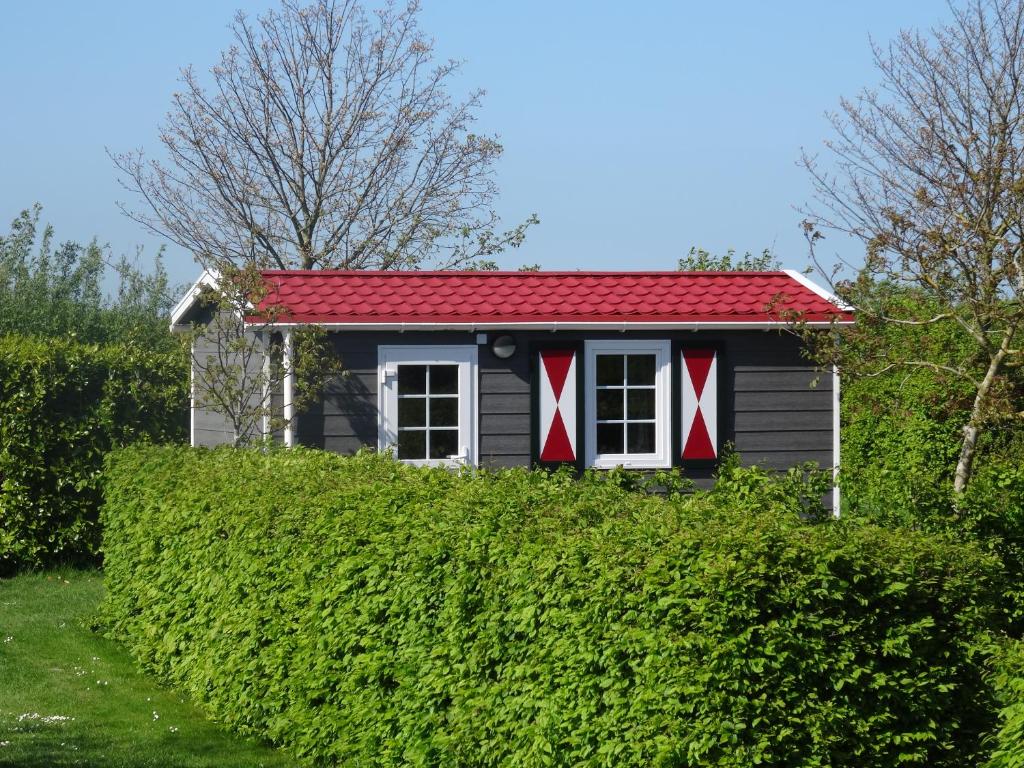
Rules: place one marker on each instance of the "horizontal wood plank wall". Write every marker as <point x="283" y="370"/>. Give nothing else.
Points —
<point x="781" y="406"/>
<point x="777" y="409"/>
<point x="212" y="428"/>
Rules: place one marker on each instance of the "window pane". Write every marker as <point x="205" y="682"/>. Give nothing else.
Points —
<point x="444" y="411"/>
<point x="444" y="379"/>
<point x="640" y="403"/>
<point x="640" y="369"/>
<point x="609" y="404"/>
<point x="412" y="445"/>
<point x="610" y="370"/>
<point x="412" y="379"/>
<point x="412" y="412"/>
<point x="443" y="443"/>
<point x="609" y="438"/>
<point x="641" y="438"/>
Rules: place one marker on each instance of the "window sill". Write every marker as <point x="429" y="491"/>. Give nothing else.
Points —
<point x="630" y="462"/>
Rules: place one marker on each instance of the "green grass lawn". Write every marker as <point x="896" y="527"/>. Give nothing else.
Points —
<point x="69" y="697"/>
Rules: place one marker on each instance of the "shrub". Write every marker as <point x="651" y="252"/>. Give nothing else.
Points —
<point x="62" y="407"/>
<point x="363" y="612"/>
<point x="1008" y="677"/>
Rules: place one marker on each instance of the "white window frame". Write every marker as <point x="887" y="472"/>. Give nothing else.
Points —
<point x="662" y="456"/>
<point x="389" y="357"/>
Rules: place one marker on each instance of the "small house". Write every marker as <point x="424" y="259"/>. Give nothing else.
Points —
<point x="644" y="370"/>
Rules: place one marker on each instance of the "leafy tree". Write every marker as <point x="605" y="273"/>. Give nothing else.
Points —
<point x="699" y="260"/>
<point x="926" y="173"/>
<point x="57" y="290"/>
<point x="240" y="361"/>
<point x="328" y="140"/>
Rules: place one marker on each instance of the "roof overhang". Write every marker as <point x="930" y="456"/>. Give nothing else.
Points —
<point x="208" y="279"/>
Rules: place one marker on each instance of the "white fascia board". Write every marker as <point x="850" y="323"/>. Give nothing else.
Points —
<point x="809" y="284"/>
<point x="208" y="279"/>
<point x="560" y="326"/>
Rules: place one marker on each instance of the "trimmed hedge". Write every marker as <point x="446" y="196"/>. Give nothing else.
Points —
<point x="361" y="612"/>
<point x="63" y="406"/>
<point x="1008" y="678"/>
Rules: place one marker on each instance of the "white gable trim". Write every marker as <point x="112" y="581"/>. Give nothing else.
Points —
<point x="810" y="285"/>
<point x="209" y="279"/>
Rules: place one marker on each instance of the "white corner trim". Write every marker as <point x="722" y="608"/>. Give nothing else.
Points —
<point x="806" y="282"/>
<point x="192" y="394"/>
<point x="835" y="441"/>
<point x="289" y="391"/>
<point x="208" y="279"/>
<point x="266" y="393"/>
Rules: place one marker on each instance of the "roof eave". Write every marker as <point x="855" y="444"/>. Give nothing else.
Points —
<point x="568" y="325"/>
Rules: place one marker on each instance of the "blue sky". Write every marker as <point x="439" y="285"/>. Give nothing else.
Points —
<point x="634" y="130"/>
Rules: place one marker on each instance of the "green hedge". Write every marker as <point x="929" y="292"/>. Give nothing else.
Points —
<point x="63" y="406"/>
<point x="361" y="612"/>
<point x="1008" y="678"/>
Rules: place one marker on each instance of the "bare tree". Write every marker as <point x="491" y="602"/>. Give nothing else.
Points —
<point x="928" y="174"/>
<point x="327" y="140"/>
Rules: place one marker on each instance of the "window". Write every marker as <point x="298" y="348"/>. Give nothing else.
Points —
<point x="428" y="403"/>
<point x="428" y="411"/>
<point x="627" y="403"/>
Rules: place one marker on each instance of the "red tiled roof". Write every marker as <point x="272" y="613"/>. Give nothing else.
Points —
<point x="483" y="298"/>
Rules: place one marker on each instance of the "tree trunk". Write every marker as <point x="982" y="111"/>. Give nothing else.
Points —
<point x="972" y="429"/>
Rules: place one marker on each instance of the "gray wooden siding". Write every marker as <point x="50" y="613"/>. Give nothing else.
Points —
<point x="777" y="409"/>
<point x="209" y="427"/>
<point x="781" y="406"/>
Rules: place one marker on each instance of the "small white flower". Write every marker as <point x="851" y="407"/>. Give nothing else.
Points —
<point x="173" y="729"/>
<point x="57" y="719"/>
<point x="8" y="639"/>
<point x="155" y="715"/>
<point x="5" y="743"/>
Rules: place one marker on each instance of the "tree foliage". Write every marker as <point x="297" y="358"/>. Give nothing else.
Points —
<point x="59" y="289"/>
<point x="927" y="173"/>
<point x="328" y="139"/>
<point x="700" y="260"/>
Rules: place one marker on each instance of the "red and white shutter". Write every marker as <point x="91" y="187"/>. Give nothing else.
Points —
<point x="700" y="404"/>
<point x="557" y="401"/>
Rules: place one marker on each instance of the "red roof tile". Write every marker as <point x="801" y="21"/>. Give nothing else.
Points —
<point x="483" y="298"/>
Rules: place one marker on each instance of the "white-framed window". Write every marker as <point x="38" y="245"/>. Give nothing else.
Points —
<point x="428" y="403"/>
<point x="628" y="404"/>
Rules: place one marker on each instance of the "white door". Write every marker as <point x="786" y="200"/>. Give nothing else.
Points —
<point x="428" y="403"/>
